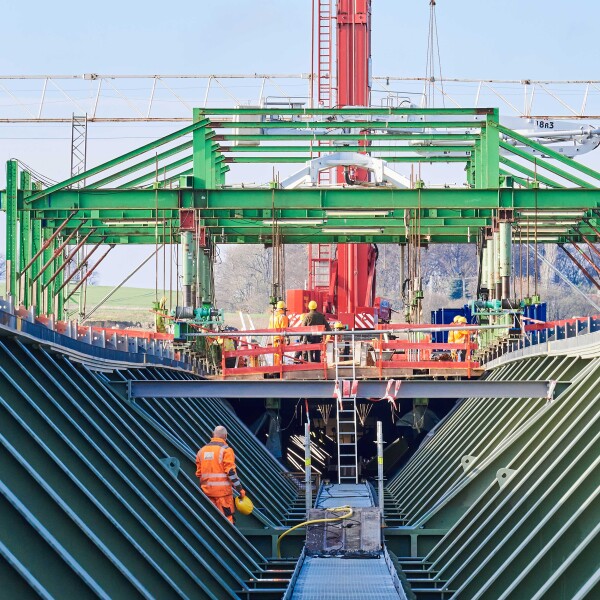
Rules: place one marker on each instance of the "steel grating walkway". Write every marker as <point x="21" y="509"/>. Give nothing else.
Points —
<point x="357" y="495"/>
<point x="337" y="578"/>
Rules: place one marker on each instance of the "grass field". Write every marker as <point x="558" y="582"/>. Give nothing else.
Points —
<point x="134" y="305"/>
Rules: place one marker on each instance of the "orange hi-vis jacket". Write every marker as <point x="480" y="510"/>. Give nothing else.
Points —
<point x="216" y="469"/>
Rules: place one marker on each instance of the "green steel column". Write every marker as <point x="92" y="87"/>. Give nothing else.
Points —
<point x="47" y="295"/>
<point x="187" y="257"/>
<point x="201" y="150"/>
<point x="212" y="153"/>
<point x="59" y="296"/>
<point x="497" y="280"/>
<point x="26" y="241"/>
<point x="221" y="170"/>
<point x="484" y="267"/>
<point x="488" y="170"/>
<point x="491" y="282"/>
<point x="12" y="250"/>
<point x="205" y="278"/>
<point x="36" y="244"/>
<point x="505" y="257"/>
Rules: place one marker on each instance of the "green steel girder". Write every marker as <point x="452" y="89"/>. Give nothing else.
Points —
<point x="137" y="167"/>
<point x="348" y="111"/>
<point x="241" y="215"/>
<point x="346" y="137"/>
<point x="122" y="158"/>
<point x="301" y="159"/>
<point x="347" y="124"/>
<point x="317" y="199"/>
<point x="373" y="149"/>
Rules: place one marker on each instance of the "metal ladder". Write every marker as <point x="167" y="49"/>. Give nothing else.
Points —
<point x="346" y="433"/>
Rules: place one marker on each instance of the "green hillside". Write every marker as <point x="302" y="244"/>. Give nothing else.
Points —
<point x="133" y="306"/>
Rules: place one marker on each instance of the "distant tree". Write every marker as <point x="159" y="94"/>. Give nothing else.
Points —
<point x="243" y="275"/>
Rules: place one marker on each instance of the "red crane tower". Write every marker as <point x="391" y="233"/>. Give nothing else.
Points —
<point x="344" y="284"/>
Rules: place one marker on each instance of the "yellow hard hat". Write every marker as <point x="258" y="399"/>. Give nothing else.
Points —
<point x="244" y="505"/>
<point x="312" y="305"/>
<point x="460" y="319"/>
<point x="338" y="325"/>
<point x="281" y="305"/>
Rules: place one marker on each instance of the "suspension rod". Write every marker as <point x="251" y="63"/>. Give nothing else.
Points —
<point x="57" y="252"/>
<point x="80" y="265"/>
<point x="581" y="267"/>
<point x="68" y="258"/>
<point x="84" y="278"/>
<point x="47" y="243"/>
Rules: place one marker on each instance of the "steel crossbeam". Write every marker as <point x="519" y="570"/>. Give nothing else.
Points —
<point x="325" y="389"/>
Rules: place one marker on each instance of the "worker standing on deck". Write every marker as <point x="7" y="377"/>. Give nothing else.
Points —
<point x="458" y="336"/>
<point x="217" y="472"/>
<point x="314" y="317"/>
<point x="343" y="345"/>
<point x="279" y="320"/>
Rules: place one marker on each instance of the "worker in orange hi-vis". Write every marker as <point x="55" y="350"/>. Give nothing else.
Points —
<point x="458" y="336"/>
<point x="217" y="472"/>
<point x="279" y="320"/>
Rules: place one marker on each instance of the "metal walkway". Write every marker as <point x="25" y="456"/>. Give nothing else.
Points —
<point x="337" y="578"/>
<point x="345" y="494"/>
<point x="347" y="579"/>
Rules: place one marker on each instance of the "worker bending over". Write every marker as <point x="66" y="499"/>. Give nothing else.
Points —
<point x="458" y="336"/>
<point x="311" y="318"/>
<point x="217" y="472"/>
<point x="279" y="320"/>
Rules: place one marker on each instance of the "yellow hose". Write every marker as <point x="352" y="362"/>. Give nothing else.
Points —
<point x="329" y="520"/>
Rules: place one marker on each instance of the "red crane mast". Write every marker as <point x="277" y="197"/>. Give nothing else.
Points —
<point x="344" y="286"/>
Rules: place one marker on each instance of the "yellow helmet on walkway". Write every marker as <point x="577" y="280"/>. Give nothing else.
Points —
<point x="312" y="305"/>
<point x="460" y="319"/>
<point x="338" y="325"/>
<point x="244" y="505"/>
<point x="281" y="305"/>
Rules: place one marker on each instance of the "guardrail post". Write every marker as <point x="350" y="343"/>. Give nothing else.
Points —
<point x="307" y="468"/>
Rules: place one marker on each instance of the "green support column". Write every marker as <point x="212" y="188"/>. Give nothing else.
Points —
<point x="47" y="295"/>
<point x="505" y="257"/>
<point x="202" y="151"/>
<point x="36" y="244"/>
<point x="12" y="249"/>
<point x="25" y="245"/>
<point x="187" y="259"/>
<point x="205" y="274"/>
<point x="487" y="167"/>
<point x="59" y="296"/>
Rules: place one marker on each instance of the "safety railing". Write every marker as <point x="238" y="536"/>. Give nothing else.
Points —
<point x="375" y="351"/>
<point x="535" y="333"/>
<point x="133" y="346"/>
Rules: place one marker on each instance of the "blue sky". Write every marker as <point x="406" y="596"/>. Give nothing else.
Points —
<point x="496" y="39"/>
<point x="479" y="38"/>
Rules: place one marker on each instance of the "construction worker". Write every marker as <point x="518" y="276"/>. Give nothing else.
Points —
<point x="458" y="336"/>
<point x="343" y="345"/>
<point x="160" y="311"/>
<point x="279" y="320"/>
<point x="217" y="472"/>
<point x="314" y="317"/>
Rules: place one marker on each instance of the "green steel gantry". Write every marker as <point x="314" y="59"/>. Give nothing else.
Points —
<point x="509" y="179"/>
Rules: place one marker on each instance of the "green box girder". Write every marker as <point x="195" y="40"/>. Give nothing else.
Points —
<point x="452" y="214"/>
